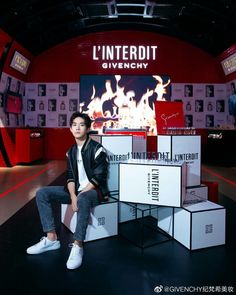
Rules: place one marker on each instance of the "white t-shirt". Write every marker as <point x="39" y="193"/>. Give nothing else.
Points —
<point x="83" y="179"/>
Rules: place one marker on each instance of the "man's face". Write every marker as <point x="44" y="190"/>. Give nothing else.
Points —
<point x="79" y="129"/>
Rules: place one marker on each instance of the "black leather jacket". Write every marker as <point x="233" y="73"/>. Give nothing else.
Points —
<point x="95" y="168"/>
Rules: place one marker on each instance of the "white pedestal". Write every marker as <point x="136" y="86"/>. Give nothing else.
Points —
<point x="149" y="182"/>
<point x="183" y="148"/>
<point x="200" y="225"/>
<point x="103" y="220"/>
<point x="119" y="148"/>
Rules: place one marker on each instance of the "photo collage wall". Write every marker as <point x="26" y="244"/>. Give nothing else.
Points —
<point x="205" y="105"/>
<point x="51" y="104"/>
<point x="9" y="83"/>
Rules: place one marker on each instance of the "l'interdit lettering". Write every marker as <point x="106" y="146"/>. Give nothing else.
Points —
<point x="124" y="52"/>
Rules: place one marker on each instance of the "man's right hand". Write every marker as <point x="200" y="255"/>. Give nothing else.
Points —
<point x="74" y="203"/>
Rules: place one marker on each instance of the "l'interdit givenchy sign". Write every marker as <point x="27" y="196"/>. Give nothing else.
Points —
<point x="229" y="64"/>
<point x="124" y="56"/>
<point x="20" y="62"/>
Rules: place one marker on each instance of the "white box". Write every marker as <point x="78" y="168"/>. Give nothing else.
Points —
<point x="196" y="194"/>
<point x="139" y="146"/>
<point x="103" y="220"/>
<point x="183" y="148"/>
<point x="139" y="138"/>
<point x="200" y="225"/>
<point x="119" y="148"/>
<point x="153" y="183"/>
<point x="165" y="219"/>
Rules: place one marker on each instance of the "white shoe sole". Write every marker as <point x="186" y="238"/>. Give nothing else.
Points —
<point x="33" y="252"/>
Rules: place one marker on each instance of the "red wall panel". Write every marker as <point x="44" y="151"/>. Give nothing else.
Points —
<point x="57" y="141"/>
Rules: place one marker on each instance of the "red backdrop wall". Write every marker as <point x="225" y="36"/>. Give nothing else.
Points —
<point x="180" y="60"/>
<point x="65" y="62"/>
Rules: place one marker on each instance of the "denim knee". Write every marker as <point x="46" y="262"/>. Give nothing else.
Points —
<point x="82" y="200"/>
<point x="41" y="194"/>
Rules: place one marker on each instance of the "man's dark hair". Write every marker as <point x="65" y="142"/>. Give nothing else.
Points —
<point x="86" y="118"/>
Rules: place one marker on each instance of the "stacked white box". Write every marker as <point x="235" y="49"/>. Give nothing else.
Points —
<point x="165" y="219"/>
<point x="200" y="225"/>
<point x="103" y="220"/>
<point x="183" y="148"/>
<point x="152" y="182"/>
<point x="119" y="148"/>
<point x="139" y="138"/>
<point x="139" y="146"/>
<point x="196" y="194"/>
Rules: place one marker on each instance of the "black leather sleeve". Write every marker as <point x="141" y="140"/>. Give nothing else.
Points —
<point x="100" y="168"/>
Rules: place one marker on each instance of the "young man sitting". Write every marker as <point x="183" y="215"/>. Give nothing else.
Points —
<point x="87" y="170"/>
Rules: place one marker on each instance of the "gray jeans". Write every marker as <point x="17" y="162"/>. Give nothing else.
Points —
<point x="46" y="196"/>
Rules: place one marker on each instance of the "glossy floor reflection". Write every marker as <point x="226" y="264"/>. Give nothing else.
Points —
<point x="112" y="265"/>
<point x="19" y="184"/>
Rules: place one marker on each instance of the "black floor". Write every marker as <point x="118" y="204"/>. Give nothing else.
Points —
<point x="110" y="266"/>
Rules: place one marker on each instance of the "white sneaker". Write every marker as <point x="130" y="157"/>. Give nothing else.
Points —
<point x="75" y="259"/>
<point x="44" y="245"/>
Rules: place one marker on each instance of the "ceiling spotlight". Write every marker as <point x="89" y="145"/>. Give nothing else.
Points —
<point x="148" y="9"/>
<point x="112" y="10"/>
<point x="181" y="10"/>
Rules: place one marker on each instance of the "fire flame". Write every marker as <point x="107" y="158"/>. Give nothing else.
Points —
<point x="126" y="111"/>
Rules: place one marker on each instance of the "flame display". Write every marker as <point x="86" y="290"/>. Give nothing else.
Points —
<point x="125" y="110"/>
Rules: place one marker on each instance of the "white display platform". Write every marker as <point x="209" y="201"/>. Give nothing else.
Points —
<point x="103" y="220"/>
<point x="200" y="225"/>
<point x="183" y="148"/>
<point x="119" y="148"/>
<point x="196" y="194"/>
<point x="152" y="182"/>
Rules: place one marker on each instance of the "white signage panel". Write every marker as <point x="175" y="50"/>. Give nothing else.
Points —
<point x="148" y="182"/>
